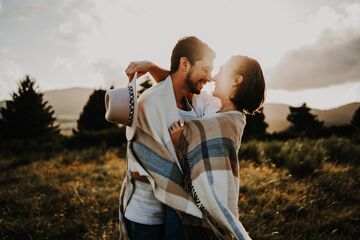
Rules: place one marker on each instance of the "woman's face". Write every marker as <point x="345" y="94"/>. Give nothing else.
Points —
<point x="224" y="82"/>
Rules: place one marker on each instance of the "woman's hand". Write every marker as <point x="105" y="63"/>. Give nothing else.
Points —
<point x="139" y="67"/>
<point x="176" y="130"/>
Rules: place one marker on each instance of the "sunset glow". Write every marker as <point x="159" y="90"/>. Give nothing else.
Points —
<point x="309" y="51"/>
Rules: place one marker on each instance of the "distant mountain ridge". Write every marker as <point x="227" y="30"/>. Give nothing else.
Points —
<point x="275" y="115"/>
<point x="68" y="104"/>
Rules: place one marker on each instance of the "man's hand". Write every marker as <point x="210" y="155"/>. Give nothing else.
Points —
<point x="139" y="67"/>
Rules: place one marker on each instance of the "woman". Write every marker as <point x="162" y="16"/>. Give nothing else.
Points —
<point x="240" y="87"/>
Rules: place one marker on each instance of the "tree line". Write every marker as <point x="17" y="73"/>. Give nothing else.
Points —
<point x="28" y="117"/>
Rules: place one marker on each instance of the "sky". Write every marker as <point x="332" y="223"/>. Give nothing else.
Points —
<point x="309" y="50"/>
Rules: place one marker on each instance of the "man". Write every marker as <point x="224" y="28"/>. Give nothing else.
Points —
<point x="191" y="65"/>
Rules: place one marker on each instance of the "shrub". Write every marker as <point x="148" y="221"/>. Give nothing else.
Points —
<point x="339" y="131"/>
<point x="302" y="157"/>
<point x="114" y="137"/>
<point x="250" y="151"/>
<point x="342" y="150"/>
<point x="26" y="151"/>
<point x="356" y="136"/>
<point x="283" y="135"/>
<point x="272" y="152"/>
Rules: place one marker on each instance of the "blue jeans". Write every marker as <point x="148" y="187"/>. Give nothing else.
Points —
<point x="174" y="229"/>
<point x="138" y="231"/>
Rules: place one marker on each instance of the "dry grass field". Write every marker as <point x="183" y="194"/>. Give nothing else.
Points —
<point x="74" y="195"/>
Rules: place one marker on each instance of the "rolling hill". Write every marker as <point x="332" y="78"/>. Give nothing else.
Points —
<point x="275" y="115"/>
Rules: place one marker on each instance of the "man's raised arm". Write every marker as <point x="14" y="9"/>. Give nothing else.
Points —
<point x="142" y="67"/>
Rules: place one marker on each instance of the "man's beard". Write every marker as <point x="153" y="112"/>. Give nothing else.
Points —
<point x="190" y="84"/>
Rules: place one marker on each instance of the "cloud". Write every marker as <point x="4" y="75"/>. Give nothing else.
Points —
<point x="10" y="74"/>
<point x="111" y="74"/>
<point x="122" y="33"/>
<point x="79" y="20"/>
<point x="77" y="29"/>
<point x="63" y="63"/>
<point x="321" y="98"/>
<point x="1" y="7"/>
<point x="332" y="60"/>
<point x="319" y="65"/>
<point x="24" y="11"/>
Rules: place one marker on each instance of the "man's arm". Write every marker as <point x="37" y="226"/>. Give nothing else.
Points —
<point x="142" y="67"/>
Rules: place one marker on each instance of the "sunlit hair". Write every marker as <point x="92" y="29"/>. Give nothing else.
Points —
<point x="193" y="49"/>
<point x="250" y="94"/>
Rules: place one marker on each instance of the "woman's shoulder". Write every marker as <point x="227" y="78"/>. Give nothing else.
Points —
<point x="205" y="104"/>
<point x="205" y="97"/>
<point x="239" y="116"/>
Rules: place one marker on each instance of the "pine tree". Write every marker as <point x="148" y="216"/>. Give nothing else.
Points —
<point x="355" y="121"/>
<point x="92" y="118"/>
<point x="303" y="122"/>
<point x="255" y="127"/>
<point x="27" y="115"/>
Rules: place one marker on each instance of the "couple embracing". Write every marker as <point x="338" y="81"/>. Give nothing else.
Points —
<point x="182" y="180"/>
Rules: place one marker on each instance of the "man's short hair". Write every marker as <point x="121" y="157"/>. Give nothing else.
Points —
<point x="193" y="49"/>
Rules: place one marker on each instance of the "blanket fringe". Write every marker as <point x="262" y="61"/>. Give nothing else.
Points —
<point x="218" y="230"/>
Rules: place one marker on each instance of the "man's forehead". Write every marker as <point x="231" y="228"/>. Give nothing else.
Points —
<point x="206" y="62"/>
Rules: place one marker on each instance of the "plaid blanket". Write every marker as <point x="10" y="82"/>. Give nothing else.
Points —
<point x="211" y="167"/>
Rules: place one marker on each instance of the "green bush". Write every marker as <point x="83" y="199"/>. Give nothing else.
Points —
<point x="114" y="137"/>
<point x="272" y="151"/>
<point x="302" y="157"/>
<point x="25" y="151"/>
<point x="48" y="144"/>
<point x="250" y="151"/>
<point x="342" y="150"/>
<point x="356" y="136"/>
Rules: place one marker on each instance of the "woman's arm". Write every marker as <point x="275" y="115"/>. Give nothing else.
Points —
<point x="142" y="67"/>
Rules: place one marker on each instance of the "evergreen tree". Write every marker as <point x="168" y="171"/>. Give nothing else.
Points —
<point x="27" y="115"/>
<point x="355" y="121"/>
<point x="92" y="118"/>
<point x="255" y="127"/>
<point x="303" y="122"/>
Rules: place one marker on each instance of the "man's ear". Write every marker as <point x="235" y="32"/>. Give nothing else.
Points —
<point x="238" y="79"/>
<point x="184" y="64"/>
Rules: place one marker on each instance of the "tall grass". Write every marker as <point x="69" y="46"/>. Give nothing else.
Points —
<point x="302" y="157"/>
<point x="61" y="199"/>
<point x="74" y="194"/>
<point x="275" y="205"/>
<point x="342" y="150"/>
